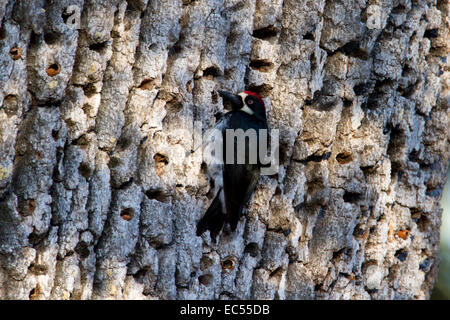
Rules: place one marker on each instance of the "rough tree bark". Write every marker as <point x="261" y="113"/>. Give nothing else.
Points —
<point x="99" y="196"/>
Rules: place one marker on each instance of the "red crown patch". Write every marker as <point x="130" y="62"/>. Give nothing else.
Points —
<point x="254" y="94"/>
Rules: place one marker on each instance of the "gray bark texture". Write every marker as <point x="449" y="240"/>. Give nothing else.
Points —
<point x="100" y="194"/>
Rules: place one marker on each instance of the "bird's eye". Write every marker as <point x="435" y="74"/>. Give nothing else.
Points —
<point x="250" y="102"/>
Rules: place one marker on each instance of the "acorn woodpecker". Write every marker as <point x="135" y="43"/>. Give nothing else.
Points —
<point x="236" y="182"/>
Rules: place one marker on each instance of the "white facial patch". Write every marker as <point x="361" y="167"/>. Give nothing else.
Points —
<point x="245" y="108"/>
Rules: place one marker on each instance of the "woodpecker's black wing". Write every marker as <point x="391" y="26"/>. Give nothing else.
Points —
<point x="239" y="180"/>
<point x="213" y="219"/>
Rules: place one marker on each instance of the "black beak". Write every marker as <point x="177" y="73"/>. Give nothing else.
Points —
<point x="234" y="100"/>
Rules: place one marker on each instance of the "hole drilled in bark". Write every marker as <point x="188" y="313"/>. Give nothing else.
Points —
<point x="228" y="264"/>
<point x="252" y="249"/>
<point x="98" y="46"/>
<point x="38" y="269"/>
<point x="189" y="86"/>
<point x="433" y="192"/>
<point x="432" y="33"/>
<point x="422" y="222"/>
<point x="174" y="106"/>
<point x="15" y="53"/>
<point x="127" y="214"/>
<point x="315" y="158"/>
<point x="53" y="69"/>
<point x="309" y="36"/>
<point x="31" y="204"/>
<point x="401" y="255"/>
<point x="51" y="38"/>
<point x="176" y="48"/>
<point x="161" y="162"/>
<point x="34" y="239"/>
<point x="211" y="72"/>
<point x="351" y="196"/>
<point x="396" y="141"/>
<point x="88" y="110"/>
<point x="214" y="97"/>
<point x="55" y="134"/>
<point x="308" y="102"/>
<point x="158" y="195"/>
<point x="377" y="95"/>
<point x="114" y="162"/>
<point x="39" y="155"/>
<point x="35" y="39"/>
<point x="35" y="292"/>
<point x="414" y="156"/>
<point x="2" y="33"/>
<point x="336" y="254"/>
<point x="261" y="65"/>
<point x="147" y="84"/>
<point x="85" y="170"/>
<point x="347" y="103"/>
<point x="424" y="266"/>
<point x="82" y="249"/>
<point x="205" y="262"/>
<point x="371" y="291"/>
<point x="318" y="287"/>
<point x="206" y="279"/>
<point x="126" y="184"/>
<point x="124" y="142"/>
<point x="278" y="272"/>
<point x="32" y="294"/>
<point x="399" y="9"/>
<point x="361" y="88"/>
<point x="361" y="233"/>
<point x="266" y="32"/>
<point x="10" y="104"/>
<point x="344" y="157"/>
<point x="368" y="170"/>
<point x="89" y="90"/>
<point x="352" y="49"/>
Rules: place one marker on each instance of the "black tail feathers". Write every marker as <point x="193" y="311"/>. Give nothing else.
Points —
<point x="213" y="219"/>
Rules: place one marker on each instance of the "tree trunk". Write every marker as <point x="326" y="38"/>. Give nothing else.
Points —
<point x="100" y="193"/>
